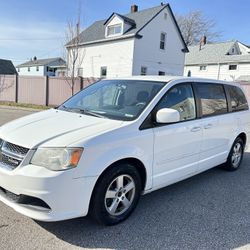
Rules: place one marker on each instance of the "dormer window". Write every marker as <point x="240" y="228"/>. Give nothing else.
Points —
<point x="114" y="30"/>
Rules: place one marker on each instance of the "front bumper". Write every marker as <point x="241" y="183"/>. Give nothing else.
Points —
<point x="67" y="196"/>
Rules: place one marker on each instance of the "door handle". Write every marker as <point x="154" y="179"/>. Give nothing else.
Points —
<point x="195" y="129"/>
<point x="207" y="126"/>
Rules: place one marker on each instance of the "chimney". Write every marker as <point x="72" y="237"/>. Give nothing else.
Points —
<point x="134" y="8"/>
<point x="203" y="41"/>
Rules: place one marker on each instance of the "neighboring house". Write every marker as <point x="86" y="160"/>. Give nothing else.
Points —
<point x="7" y="67"/>
<point x="147" y="42"/>
<point x="224" y="61"/>
<point x="41" y="67"/>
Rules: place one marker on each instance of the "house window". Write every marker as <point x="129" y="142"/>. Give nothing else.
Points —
<point x="163" y="41"/>
<point x="80" y="72"/>
<point x="114" y="30"/>
<point x="143" y="71"/>
<point x="232" y="67"/>
<point x="103" y="71"/>
<point x="165" y="16"/>
<point x="28" y="69"/>
<point x="203" y="67"/>
<point x="233" y="50"/>
<point x="37" y="68"/>
<point x="18" y="69"/>
<point x="161" y="73"/>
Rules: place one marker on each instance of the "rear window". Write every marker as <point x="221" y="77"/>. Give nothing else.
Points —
<point x="213" y="98"/>
<point x="237" y="98"/>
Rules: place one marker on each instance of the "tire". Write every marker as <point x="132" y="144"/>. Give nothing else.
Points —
<point x="235" y="156"/>
<point x="116" y="194"/>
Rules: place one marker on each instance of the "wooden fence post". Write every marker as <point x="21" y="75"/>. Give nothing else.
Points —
<point x="16" y="94"/>
<point x="81" y="83"/>
<point x="47" y="90"/>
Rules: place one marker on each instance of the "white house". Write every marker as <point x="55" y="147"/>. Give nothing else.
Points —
<point x="147" y="42"/>
<point x="42" y="67"/>
<point x="224" y="61"/>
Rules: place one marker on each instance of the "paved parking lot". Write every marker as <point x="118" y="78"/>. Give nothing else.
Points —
<point x="208" y="211"/>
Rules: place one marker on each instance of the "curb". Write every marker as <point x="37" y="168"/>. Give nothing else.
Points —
<point x="20" y="108"/>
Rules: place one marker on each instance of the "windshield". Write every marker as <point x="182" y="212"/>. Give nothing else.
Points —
<point x="114" y="99"/>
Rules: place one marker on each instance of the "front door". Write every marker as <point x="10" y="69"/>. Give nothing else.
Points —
<point x="177" y="146"/>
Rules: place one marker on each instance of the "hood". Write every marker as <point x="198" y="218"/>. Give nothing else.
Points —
<point x="54" y="128"/>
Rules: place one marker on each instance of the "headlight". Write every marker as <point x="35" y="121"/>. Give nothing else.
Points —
<point x="57" y="158"/>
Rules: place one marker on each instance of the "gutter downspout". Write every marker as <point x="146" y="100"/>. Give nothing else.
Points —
<point x="218" y="75"/>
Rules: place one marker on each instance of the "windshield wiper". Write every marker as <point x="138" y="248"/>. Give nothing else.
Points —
<point x="88" y="112"/>
<point x="83" y="111"/>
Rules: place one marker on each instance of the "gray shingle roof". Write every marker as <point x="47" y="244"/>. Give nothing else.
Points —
<point x="126" y="19"/>
<point x="213" y="54"/>
<point x="7" y="67"/>
<point x="96" y="31"/>
<point x="41" y="62"/>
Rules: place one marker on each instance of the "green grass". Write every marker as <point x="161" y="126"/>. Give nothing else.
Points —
<point x="25" y="105"/>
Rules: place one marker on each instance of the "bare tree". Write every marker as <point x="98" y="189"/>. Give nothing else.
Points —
<point x="75" y="53"/>
<point x="5" y="84"/>
<point x="194" y="25"/>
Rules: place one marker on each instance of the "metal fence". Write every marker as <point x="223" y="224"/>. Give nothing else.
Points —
<point x="40" y="90"/>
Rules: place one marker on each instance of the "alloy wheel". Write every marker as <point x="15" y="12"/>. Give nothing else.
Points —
<point x="120" y="195"/>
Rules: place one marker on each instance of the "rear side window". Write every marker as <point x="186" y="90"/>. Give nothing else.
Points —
<point x="213" y="99"/>
<point x="237" y="98"/>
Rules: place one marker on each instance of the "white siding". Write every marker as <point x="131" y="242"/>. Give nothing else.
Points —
<point x="117" y="56"/>
<point x="33" y="72"/>
<point x="219" y="71"/>
<point x="148" y="52"/>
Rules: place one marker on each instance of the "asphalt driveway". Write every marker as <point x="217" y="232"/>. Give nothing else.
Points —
<point x="208" y="211"/>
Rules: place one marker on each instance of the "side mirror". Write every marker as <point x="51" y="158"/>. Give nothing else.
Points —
<point x="167" y="115"/>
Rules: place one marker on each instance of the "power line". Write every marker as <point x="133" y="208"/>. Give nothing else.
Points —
<point x="30" y="39"/>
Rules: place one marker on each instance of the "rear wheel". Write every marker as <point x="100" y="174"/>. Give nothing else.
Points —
<point x="116" y="194"/>
<point x="235" y="156"/>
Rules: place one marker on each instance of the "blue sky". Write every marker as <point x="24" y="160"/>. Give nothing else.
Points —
<point x="35" y="27"/>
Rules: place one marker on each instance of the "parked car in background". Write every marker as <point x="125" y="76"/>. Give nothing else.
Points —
<point x="118" y="139"/>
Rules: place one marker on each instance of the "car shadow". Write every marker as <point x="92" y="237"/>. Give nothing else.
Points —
<point x="207" y="211"/>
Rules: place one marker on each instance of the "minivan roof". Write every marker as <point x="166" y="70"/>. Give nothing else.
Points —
<point x="168" y="78"/>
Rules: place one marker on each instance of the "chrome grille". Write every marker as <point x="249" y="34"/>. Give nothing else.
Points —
<point x="11" y="155"/>
<point x="15" y="148"/>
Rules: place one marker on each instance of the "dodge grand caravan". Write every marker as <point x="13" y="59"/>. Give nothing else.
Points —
<point x="117" y="139"/>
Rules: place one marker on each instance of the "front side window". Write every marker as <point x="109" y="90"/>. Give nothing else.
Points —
<point x="180" y="98"/>
<point x="237" y="98"/>
<point x="114" y="99"/>
<point x="163" y="41"/>
<point x="114" y="30"/>
<point x="213" y="98"/>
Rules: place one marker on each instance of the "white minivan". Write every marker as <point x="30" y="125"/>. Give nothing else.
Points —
<point x="117" y="139"/>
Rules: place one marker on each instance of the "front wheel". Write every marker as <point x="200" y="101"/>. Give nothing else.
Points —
<point x="235" y="156"/>
<point x="116" y="194"/>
